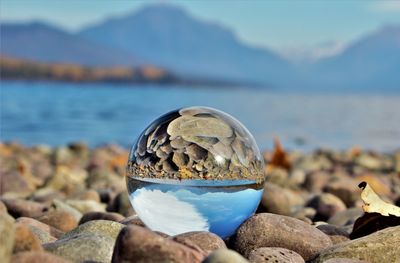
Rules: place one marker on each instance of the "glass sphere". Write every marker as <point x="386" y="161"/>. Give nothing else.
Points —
<point x="195" y="169"/>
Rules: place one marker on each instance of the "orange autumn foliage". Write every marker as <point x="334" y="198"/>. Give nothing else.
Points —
<point x="279" y="157"/>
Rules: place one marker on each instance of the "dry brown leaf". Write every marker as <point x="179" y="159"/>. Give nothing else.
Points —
<point x="374" y="204"/>
<point x="279" y="156"/>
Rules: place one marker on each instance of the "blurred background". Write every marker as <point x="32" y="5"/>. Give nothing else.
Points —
<point x="313" y="73"/>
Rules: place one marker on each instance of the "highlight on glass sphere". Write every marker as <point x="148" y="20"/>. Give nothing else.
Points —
<point x="195" y="169"/>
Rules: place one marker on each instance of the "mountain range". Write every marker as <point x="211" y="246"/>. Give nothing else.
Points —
<point x="169" y="37"/>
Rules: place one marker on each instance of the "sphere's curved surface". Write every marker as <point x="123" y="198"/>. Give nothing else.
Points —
<point x="195" y="169"/>
<point x="196" y="143"/>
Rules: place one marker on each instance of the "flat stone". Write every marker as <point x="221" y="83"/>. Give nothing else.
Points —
<point x="274" y="254"/>
<point x="138" y="244"/>
<point x="381" y="246"/>
<point x="270" y="230"/>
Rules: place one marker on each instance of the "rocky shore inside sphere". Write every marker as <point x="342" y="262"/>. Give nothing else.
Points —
<point x="70" y="204"/>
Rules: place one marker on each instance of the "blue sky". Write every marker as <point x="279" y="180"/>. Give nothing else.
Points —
<point x="281" y="25"/>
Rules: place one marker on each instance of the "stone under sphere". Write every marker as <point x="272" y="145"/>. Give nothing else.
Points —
<point x="195" y="169"/>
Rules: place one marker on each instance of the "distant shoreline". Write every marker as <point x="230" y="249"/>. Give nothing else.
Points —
<point x="25" y="70"/>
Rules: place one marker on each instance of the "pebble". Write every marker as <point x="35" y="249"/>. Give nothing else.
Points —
<point x="101" y="227"/>
<point x="67" y="180"/>
<point x="72" y="184"/>
<point x="12" y="182"/>
<point x="101" y="216"/>
<point x="86" y="206"/>
<point x="7" y="235"/>
<point x="275" y="199"/>
<point x="346" y="189"/>
<point x="316" y="181"/>
<point x="46" y="195"/>
<point x="42" y="226"/>
<point x="225" y="256"/>
<point x="277" y="176"/>
<point x="61" y="220"/>
<point x="275" y="255"/>
<point x="138" y="244"/>
<point x="121" y="205"/>
<point x="88" y="195"/>
<point x="270" y="230"/>
<point x="59" y="205"/>
<point x="381" y="246"/>
<point x="336" y="234"/>
<point x="102" y="178"/>
<point x="346" y="217"/>
<point x="36" y="257"/>
<point x="83" y="247"/>
<point x="207" y="241"/>
<point x="326" y="205"/>
<point x="3" y="207"/>
<point x="43" y="236"/>
<point x="134" y="220"/>
<point x="20" y="207"/>
<point x="25" y="239"/>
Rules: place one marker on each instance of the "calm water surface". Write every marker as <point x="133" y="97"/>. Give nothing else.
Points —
<point x="56" y="114"/>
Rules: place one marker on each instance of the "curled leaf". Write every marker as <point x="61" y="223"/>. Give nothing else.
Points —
<point x="374" y="204"/>
<point x="279" y="157"/>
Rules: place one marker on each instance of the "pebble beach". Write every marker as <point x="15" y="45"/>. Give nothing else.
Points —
<point x="70" y="204"/>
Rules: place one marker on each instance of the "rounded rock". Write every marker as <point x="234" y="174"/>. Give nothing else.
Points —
<point x="336" y="234"/>
<point x="326" y="205"/>
<point x="100" y="227"/>
<point x="381" y="246"/>
<point x="83" y="247"/>
<point x="270" y="230"/>
<point x="275" y="200"/>
<point x="20" y="207"/>
<point x="25" y="239"/>
<point x="61" y="220"/>
<point x="138" y="244"/>
<point x="54" y="232"/>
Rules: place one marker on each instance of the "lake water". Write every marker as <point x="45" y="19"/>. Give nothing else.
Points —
<point x="59" y="113"/>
